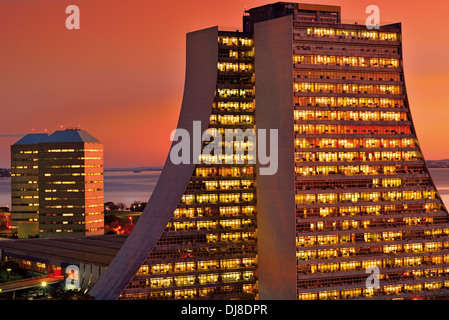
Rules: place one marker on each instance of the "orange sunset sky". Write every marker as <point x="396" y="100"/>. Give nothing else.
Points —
<point x="121" y="76"/>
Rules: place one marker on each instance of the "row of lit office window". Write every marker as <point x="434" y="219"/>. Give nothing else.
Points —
<point x="201" y="279"/>
<point x="72" y="166"/>
<point x="202" y="239"/>
<point x="388" y="236"/>
<point x="235" y="41"/>
<point x="339" y="211"/>
<point x="350" y="170"/>
<point x="233" y="81"/>
<point x="354" y="102"/>
<point x="61" y="222"/>
<point x="57" y="230"/>
<point x="370" y="224"/>
<point x="216" y="198"/>
<point x="217" y="131"/>
<point x="362" y="183"/>
<point x="57" y="167"/>
<point x="224" y="172"/>
<point x="364" y="197"/>
<point x="314" y="115"/>
<point x="347" y="33"/>
<point x="228" y="211"/>
<point x="232" y="119"/>
<point x="210" y="224"/>
<point x="396" y="262"/>
<point x="56" y="174"/>
<point x="55" y="150"/>
<point x="232" y="237"/>
<point x="305" y="143"/>
<point x="71" y="214"/>
<point x="350" y="129"/>
<point x="236" y="54"/>
<point x="25" y="197"/>
<point x="71" y="199"/>
<point x="234" y="106"/>
<point x="345" y="48"/>
<point x="237" y="158"/>
<point x="221" y="185"/>
<point x="357" y="156"/>
<point x="235" y="93"/>
<point x="348" y="75"/>
<point x="346" y="61"/>
<point x="68" y="158"/>
<point x="306" y="255"/>
<point x="72" y="190"/>
<point x="235" y="67"/>
<point x="324" y="17"/>
<point x="77" y="207"/>
<point x="200" y="265"/>
<point x="24" y="167"/>
<point x="244" y="248"/>
<point x="239" y="290"/>
<point x="347" y="88"/>
<point x="72" y="150"/>
<point x="394" y="291"/>
<point x="74" y="182"/>
<point x="74" y="174"/>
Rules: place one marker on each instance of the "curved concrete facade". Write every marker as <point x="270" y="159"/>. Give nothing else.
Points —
<point x="275" y="193"/>
<point x="199" y="90"/>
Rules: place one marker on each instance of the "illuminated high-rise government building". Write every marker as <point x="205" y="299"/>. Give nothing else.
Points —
<point x="352" y="189"/>
<point x="57" y="185"/>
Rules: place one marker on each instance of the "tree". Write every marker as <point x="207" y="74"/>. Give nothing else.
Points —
<point x="110" y="206"/>
<point x="10" y="270"/>
<point x="137" y="206"/>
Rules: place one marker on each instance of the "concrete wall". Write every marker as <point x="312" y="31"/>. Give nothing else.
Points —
<point x="200" y="84"/>
<point x="275" y="193"/>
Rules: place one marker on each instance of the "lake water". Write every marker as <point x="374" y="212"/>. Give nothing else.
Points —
<point x="127" y="186"/>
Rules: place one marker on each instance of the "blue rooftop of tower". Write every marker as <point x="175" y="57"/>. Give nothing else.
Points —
<point x="68" y="135"/>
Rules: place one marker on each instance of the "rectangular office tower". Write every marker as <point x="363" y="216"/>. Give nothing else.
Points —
<point x="352" y="193"/>
<point x="352" y="190"/>
<point x="57" y="185"/>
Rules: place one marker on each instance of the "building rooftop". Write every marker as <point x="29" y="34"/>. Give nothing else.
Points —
<point x="300" y="11"/>
<point x="94" y="250"/>
<point x="68" y="135"/>
<point x="32" y="138"/>
<point x="71" y="135"/>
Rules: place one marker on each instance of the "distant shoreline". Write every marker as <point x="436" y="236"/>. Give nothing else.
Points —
<point x="133" y="169"/>
<point x="4" y="172"/>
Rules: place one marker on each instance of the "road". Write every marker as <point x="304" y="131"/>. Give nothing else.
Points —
<point x="29" y="283"/>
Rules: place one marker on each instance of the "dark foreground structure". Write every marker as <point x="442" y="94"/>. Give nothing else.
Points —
<point x="352" y="190"/>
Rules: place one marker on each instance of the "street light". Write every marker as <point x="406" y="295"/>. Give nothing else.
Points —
<point x="43" y="285"/>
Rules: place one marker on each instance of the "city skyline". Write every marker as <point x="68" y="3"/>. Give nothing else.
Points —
<point x="125" y="69"/>
<point x="345" y="206"/>
<point x="352" y="192"/>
